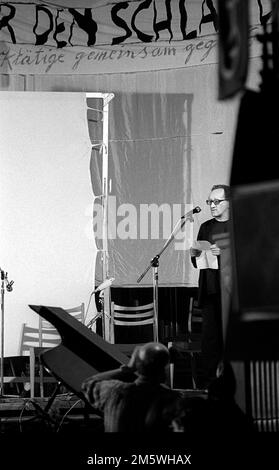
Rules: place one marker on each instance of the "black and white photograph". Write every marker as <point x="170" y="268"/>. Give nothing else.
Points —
<point x="139" y="247"/>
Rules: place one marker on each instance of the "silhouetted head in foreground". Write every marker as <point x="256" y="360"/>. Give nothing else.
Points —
<point x="150" y="361"/>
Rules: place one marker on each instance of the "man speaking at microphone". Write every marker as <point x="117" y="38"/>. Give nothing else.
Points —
<point x="209" y="293"/>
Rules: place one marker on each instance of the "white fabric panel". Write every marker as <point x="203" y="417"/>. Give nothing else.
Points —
<point x="47" y="244"/>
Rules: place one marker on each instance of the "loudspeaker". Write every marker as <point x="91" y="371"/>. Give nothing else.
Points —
<point x="253" y="324"/>
<point x="255" y="230"/>
<point x="256" y="139"/>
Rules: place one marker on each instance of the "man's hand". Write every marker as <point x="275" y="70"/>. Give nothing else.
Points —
<point x="195" y="252"/>
<point x="215" y="250"/>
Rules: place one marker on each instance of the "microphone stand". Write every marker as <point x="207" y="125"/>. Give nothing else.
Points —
<point x="9" y="288"/>
<point x="98" y="315"/>
<point x="95" y="318"/>
<point x="2" y="331"/>
<point x="154" y="264"/>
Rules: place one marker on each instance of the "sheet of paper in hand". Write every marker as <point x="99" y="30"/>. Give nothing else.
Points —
<point x="206" y="259"/>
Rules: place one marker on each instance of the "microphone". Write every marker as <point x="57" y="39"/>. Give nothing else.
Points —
<point x="104" y="285"/>
<point x="193" y="211"/>
<point x="9" y="286"/>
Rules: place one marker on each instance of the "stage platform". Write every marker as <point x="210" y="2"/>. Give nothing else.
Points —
<point x="67" y="436"/>
<point x="67" y="413"/>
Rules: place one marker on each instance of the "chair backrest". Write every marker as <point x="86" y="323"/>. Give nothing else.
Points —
<point x="45" y="335"/>
<point x="49" y="335"/>
<point x="37" y="337"/>
<point x="77" y="312"/>
<point x="131" y="317"/>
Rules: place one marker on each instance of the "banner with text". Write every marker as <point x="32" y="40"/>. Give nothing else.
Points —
<point x="113" y="37"/>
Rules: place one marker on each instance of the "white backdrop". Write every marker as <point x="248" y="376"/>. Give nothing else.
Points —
<point x="47" y="244"/>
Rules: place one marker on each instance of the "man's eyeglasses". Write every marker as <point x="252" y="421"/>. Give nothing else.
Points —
<point x="216" y="202"/>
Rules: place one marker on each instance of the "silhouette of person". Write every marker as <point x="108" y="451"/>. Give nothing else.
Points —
<point x="209" y="293"/>
<point x="135" y="398"/>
